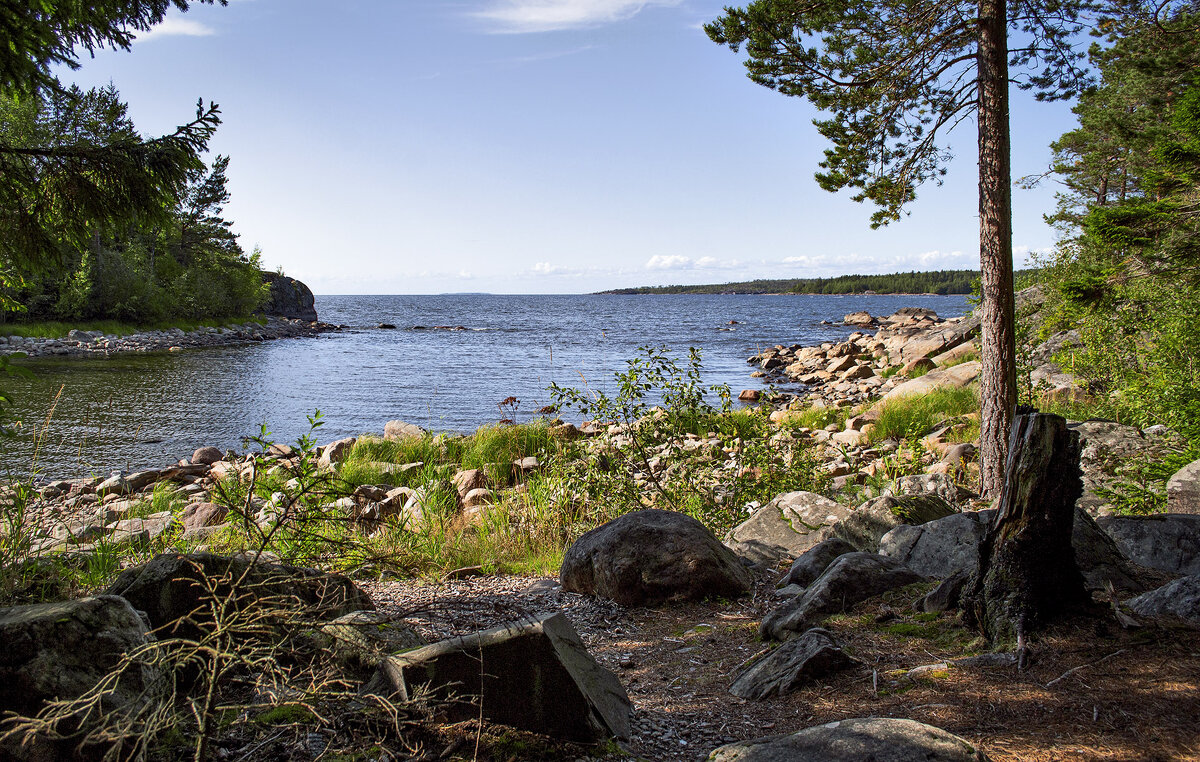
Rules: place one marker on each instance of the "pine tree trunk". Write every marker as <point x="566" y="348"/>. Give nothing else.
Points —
<point x="998" y="376"/>
<point x="1027" y="573"/>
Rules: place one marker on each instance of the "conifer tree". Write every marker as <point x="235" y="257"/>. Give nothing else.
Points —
<point x="895" y="76"/>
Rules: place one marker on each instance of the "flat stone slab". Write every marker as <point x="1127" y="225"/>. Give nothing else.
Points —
<point x="876" y="739"/>
<point x="534" y="675"/>
<point x="786" y="527"/>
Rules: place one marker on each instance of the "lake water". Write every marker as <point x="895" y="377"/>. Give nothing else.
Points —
<point x="132" y="411"/>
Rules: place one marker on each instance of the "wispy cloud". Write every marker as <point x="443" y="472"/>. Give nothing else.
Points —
<point x="174" y="26"/>
<point x="523" y="16"/>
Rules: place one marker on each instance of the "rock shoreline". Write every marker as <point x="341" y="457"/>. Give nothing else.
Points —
<point x="98" y="344"/>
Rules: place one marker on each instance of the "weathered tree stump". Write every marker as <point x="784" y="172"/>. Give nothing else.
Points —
<point x="1027" y="574"/>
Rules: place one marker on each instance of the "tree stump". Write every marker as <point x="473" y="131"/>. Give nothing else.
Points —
<point x="1027" y="574"/>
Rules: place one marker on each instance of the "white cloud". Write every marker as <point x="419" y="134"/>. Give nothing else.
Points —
<point x="174" y="26"/>
<point x="668" y="262"/>
<point x="519" y="16"/>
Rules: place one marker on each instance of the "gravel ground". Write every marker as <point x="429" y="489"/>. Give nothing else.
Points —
<point x="675" y="662"/>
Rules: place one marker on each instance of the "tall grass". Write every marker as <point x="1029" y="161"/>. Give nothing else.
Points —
<point x="910" y="417"/>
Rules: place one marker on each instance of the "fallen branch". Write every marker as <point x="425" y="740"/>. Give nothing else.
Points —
<point x="1070" y="672"/>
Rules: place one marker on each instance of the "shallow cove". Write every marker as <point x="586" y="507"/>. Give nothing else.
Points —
<point x="145" y="410"/>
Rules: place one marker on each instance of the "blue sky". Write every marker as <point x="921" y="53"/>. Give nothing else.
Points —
<point x="531" y="146"/>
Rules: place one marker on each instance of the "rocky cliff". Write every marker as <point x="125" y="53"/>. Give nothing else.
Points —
<point x="289" y="298"/>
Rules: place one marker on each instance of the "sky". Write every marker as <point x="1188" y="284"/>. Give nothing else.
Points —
<point x="532" y="146"/>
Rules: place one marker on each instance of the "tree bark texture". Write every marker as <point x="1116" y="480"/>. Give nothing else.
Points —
<point x="998" y="376"/>
<point x="1027" y="573"/>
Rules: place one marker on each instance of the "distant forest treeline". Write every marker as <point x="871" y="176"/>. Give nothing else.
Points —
<point x="939" y="282"/>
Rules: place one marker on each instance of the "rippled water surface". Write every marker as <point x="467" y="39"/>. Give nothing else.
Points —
<point x="140" y="410"/>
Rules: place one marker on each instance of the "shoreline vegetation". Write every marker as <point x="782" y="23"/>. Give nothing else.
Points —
<point x="937" y="283"/>
<point x="878" y="439"/>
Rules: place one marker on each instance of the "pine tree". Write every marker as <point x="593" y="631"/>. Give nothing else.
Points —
<point x="896" y="75"/>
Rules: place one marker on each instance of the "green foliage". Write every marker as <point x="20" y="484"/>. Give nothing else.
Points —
<point x="940" y="282"/>
<point x="910" y="417"/>
<point x="663" y="456"/>
<point x="42" y="35"/>
<point x="1127" y="279"/>
<point x="894" y="75"/>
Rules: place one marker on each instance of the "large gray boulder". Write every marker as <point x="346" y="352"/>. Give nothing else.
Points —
<point x="868" y="523"/>
<point x="359" y="641"/>
<point x="786" y="527"/>
<point x="938" y="549"/>
<point x="793" y="665"/>
<point x="851" y="578"/>
<point x="1183" y="490"/>
<point x="876" y="739"/>
<point x="175" y="590"/>
<point x="939" y="485"/>
<point x="650" y="557"/>
<point x="62" y="651"/>
<point x="1170" y="542"/>
<point x="534" y="675"/>
<point x="1178" y="599"/>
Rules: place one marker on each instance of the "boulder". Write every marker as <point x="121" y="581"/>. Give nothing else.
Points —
<point x="876" y="739"/>
<point x="1183" y="490"/>
<point x="62" y="649"/>
<point x="814" y="561"/>
<point x="1106" y="446"/>
<point x="786" y="527"/>
<point x="938" y="549"/>
<point x="288" y="298"/>
<point x="942" y="548"/>
<point x="650" y="557"/>
<point x="467" y="480"/>
<point x="401" y="430"/>
<point x="862" y="319"/>
<point x="793" y="665"/>
<point x="940" y="485"/>
<point x="1178" y="599"/>
<point x="336" y="452"/>
<point x="1099" y="559"/>
<point x="534" y="675"/>
<point x="868" y="523"/>
<point x="952" y="377"/>
<point x="1170" y="542"/>
<point x="199" y="515"/>
<point x="206" y="456"/>
<point x="851" y="578"/>
<point x="170" y="587"/>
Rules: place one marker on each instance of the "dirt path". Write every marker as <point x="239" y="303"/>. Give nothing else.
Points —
<point x="1138" y="700"/>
